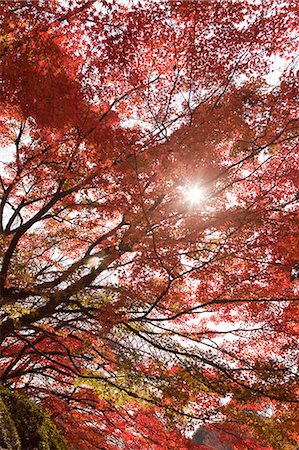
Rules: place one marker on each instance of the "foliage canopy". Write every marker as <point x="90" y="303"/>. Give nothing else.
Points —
<point x="128" y="311"/>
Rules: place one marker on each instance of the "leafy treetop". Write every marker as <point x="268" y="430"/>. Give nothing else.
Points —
<point x="128" y="312"/>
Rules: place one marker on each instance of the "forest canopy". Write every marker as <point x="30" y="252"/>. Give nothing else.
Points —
<point x="149" y="223"/>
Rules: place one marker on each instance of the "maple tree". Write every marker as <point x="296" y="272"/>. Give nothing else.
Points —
<point x="132" y="310"/>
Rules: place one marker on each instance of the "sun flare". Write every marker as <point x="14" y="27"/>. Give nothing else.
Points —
<point x="194" y="194"/>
